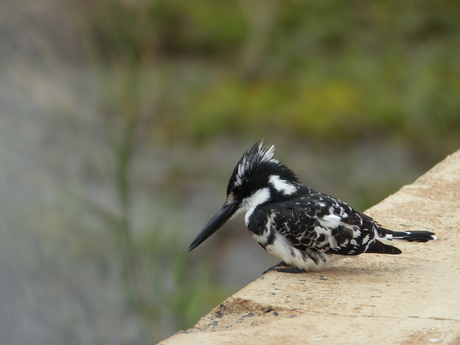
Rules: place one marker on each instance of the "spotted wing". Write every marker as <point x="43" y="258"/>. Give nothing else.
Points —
<point x="322" y="223"/>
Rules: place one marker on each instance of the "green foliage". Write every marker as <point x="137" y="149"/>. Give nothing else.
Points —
<point x="320" y="68"/>
<point x="138" y="31"/>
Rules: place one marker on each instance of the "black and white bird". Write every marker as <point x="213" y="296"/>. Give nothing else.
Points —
<point x="305" y="229"/>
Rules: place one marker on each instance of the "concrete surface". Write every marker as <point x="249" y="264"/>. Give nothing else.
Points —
<point x="412" y="298"/>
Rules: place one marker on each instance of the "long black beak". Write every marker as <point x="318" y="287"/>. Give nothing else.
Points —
<point x="215" y="223"/>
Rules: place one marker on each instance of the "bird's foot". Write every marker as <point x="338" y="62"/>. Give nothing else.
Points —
<point x="279" y="268"/>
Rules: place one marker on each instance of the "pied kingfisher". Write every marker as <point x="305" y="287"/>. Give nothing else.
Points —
<point x="305" y="229"/>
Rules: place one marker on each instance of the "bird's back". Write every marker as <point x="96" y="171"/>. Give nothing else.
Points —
<point x="316" y="222"/>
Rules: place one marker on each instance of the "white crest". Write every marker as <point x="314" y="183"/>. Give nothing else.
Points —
<point x="256" y="155"/>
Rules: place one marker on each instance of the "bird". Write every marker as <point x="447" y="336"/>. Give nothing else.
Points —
<point x="304" y="228"/>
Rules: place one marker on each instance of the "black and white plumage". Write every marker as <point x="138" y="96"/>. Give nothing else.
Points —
<point x="306" y="229"/>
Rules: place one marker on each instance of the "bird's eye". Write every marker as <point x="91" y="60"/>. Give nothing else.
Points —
<point x="236" y="194"/>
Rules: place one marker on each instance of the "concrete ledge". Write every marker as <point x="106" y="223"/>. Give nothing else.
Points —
<point x="412" y="298"/>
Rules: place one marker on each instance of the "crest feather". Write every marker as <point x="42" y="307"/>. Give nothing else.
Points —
<point x="259" y="153"/>
<point x="265" y="153"/>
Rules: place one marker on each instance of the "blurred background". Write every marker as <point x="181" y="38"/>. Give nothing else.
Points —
<point x="121" y="122"/>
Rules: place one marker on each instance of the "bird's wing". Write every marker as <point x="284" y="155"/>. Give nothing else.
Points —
<point x="322" y="223"/>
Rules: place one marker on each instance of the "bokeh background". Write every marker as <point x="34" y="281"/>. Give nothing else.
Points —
<point x="121" y="121"/>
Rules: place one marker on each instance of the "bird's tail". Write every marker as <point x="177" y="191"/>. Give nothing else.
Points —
<point x="411" y="236"/>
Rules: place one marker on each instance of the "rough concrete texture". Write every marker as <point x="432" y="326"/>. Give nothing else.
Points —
<point x="412" y="298"/>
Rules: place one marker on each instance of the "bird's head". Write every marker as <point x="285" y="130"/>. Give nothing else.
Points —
<point x="258" y="178"/>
